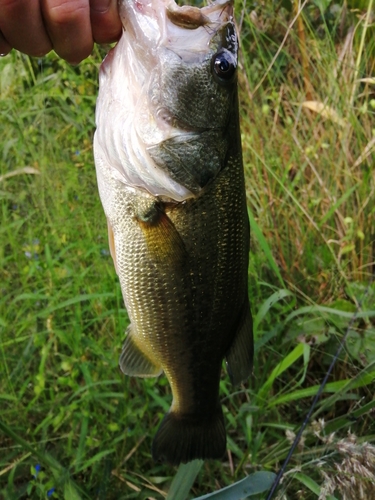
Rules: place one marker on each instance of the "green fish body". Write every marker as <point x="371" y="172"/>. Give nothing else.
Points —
<point x="170" y="176"/>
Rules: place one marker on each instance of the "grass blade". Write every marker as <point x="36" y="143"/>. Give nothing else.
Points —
<point x="338" y="388"/>
<point x="266" y="306"/>
<point x="70" y="492"/>
<point x="44" y="458"/>
<point x="328" y="310"/>
<point x="311" y="484"/>
<point x="339" y="202"/>
<point x="290" y="359"/>
<point x="60" y="473"/>
<point x="257" y="232"/>
<point x="250" y="486"/>
<point x="184" y="480"/>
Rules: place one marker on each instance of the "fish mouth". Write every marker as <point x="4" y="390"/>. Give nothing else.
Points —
<point x="134" y="114"/>
<point x="186" y="30"/>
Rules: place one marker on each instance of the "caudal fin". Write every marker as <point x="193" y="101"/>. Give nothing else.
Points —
<point x="181" y="439"/>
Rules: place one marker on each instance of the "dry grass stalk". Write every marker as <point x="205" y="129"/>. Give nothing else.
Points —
<point x="353" y="476"/>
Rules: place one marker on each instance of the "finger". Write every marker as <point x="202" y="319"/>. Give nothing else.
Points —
<point x="69" y="28"/>
<point x="105" y="21"/>
<point x="22" y="27"/>
<point x="5" y="48"/>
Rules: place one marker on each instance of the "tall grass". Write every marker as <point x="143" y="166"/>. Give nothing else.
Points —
<point x="70" y="425"/>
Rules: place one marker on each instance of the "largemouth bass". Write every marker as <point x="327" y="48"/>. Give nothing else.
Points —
<point x="170" y="176"/>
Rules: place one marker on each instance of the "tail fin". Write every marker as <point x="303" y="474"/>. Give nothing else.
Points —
<point x="181" y="439"/>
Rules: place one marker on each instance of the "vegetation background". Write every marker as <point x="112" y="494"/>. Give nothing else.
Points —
<point x="71" y="426"/>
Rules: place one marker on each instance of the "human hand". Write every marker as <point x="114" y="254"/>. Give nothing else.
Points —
<point x="70" y="27"/>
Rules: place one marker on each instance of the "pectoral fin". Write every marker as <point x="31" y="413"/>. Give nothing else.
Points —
<point x="134" y="362"/>
<point x="240" y="355"/>
<point x="163" y="240"/>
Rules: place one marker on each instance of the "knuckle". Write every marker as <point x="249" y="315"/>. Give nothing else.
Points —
<point x="68" y="11"/>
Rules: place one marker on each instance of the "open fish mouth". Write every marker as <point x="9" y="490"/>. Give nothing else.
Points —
<point x="138" y="92"/>
<point x="186" y="30"/>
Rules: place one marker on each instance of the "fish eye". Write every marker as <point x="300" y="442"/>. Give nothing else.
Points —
<point x="224" y="66"/>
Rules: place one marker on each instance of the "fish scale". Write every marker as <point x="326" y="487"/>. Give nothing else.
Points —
<point x="182" y="263"/>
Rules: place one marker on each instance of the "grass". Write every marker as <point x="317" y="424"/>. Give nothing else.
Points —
<point x="70" y="425"/>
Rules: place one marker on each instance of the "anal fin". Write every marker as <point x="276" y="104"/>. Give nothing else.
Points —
<point x="135" y="362"/>
<point x="240" y="355"/>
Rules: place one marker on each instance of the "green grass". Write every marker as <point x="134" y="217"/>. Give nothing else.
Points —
<point x="310" y="185"/>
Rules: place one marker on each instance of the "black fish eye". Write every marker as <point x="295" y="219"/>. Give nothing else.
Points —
<point x="224" y="66"/>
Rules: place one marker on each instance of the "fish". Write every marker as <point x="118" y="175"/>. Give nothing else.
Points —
<point x="168" y="158"/>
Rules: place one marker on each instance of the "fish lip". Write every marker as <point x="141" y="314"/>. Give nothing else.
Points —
<point x="225" y="5"/>
<point x="146" y="6"/>
<point x="191" y="17"/>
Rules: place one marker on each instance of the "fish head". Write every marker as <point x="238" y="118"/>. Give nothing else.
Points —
<point x="188" y="57"/>
<point x="167" y="92"/>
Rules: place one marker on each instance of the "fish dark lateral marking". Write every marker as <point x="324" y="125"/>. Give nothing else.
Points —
<point x="170" y="176"/>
